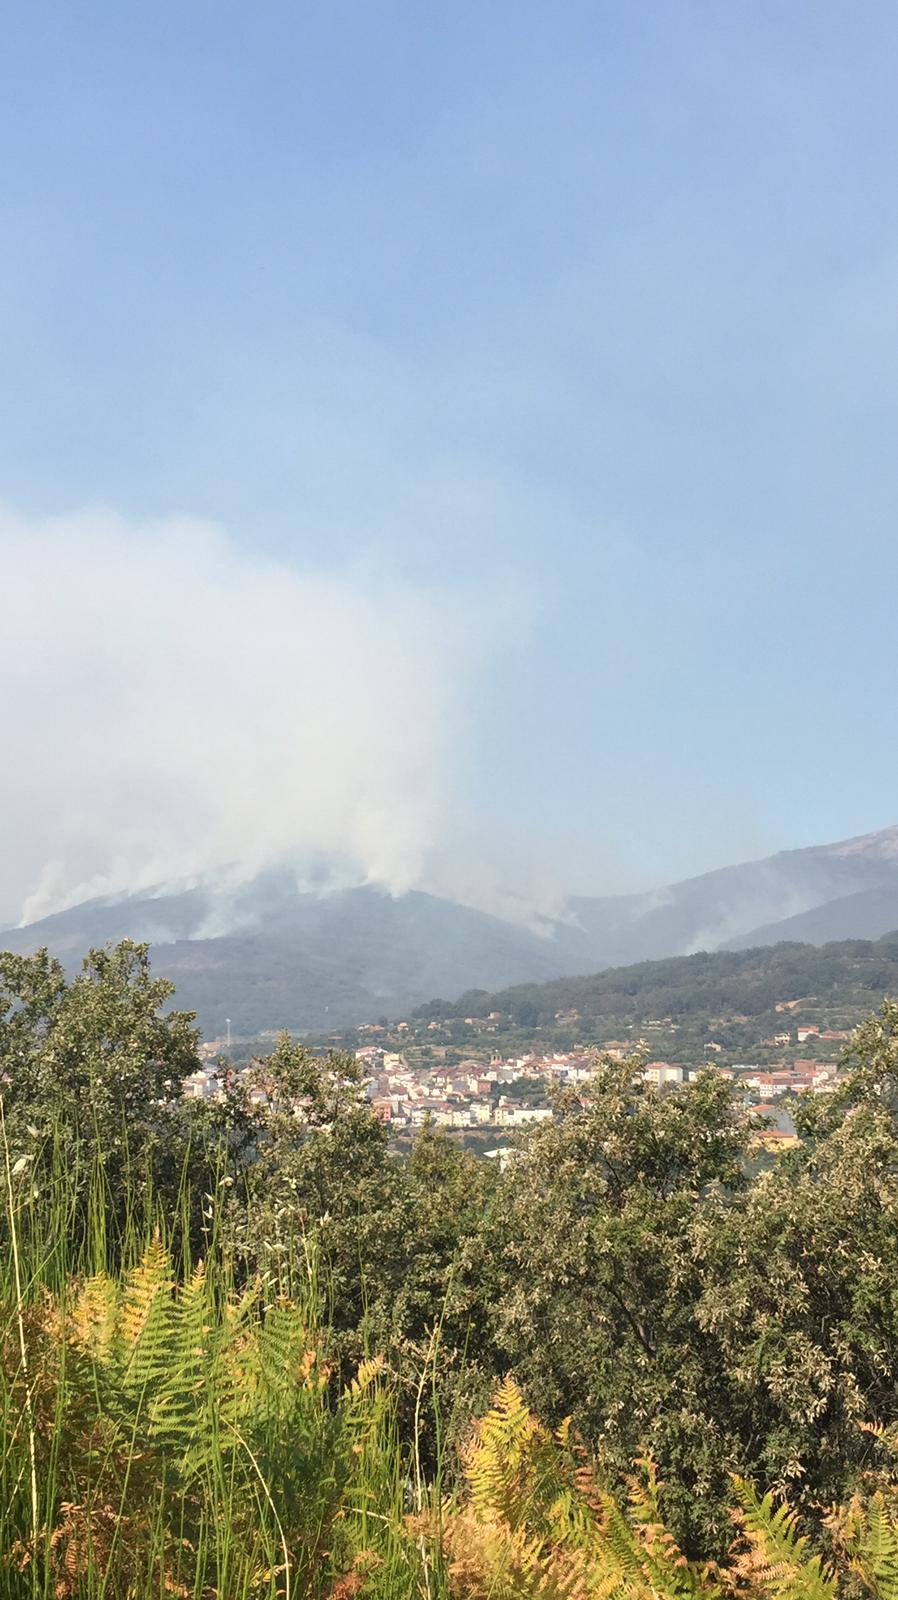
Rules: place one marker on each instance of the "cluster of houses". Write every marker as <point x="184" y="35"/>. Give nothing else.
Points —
<point x="472" y="1094"/>
<point x="512" y="1093"/>
<point x="468" y="1095"/>
<point x="802" y="1077"/>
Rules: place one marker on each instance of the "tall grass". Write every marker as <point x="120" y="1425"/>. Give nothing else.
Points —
<point x="167" y="1428"/>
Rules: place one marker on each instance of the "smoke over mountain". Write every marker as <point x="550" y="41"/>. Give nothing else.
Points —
<point x="174" y="703"/>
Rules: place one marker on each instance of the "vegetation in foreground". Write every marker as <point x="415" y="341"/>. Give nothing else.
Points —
<point x="245" y="1352"/>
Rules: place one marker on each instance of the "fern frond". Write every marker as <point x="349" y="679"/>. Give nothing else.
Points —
<point x="665" y="1565"/>
<point x="144" y="1286"/>
<point x="781" y="1561"/>
<point x="868" y="1536"/>
<point x="92" y="1318"/>
<point x="535" y="1523"/>
<point x="511" y="1463"/>
<point x="145" y="1325"/>
<point x="368" y="1372"/>
<point x="490" y="1558"/>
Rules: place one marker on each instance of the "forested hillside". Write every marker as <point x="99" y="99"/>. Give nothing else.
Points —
<point x="752" y="983"/>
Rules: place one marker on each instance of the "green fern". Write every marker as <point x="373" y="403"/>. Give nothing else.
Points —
<point x="162" y="1404"/>
<point x="192" y="1399"/>
<point x="867" y="1535"/>
<point x="779" y="1557"/>
<point x="664" y="1564"/>
<point x="513" y="1468"/>
<point x="534" y="1523"/>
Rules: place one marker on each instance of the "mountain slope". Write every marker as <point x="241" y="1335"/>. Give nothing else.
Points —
<point x="736" y="904"/>
<point x="751" y="983"/>
<point x="303" y="961"/>
<point x="866" y="915"/>
<point x="269" y="953"/>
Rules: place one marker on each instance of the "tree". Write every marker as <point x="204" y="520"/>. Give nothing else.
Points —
<point x="594" y="1307"/>
<point x="91" y="1070"/>
<point x="799" y="1285"/>
<point x="650" y="1289"/>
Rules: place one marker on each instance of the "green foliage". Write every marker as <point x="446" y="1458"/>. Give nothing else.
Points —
<point x="779" y="1560"/>
<point x="91" y="1071"/>
<point x="629" y="1264"/>
<point x="641" y="1283"/>
<point x="187" y="1438"/>
<point x="97" y="1049"/>
<point x="692" y="990"/>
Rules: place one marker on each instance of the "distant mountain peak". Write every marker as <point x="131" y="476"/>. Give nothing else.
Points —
<point x="879" y="846"/>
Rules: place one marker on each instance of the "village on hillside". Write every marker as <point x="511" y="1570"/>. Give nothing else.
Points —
<point x="481" y="1090"/>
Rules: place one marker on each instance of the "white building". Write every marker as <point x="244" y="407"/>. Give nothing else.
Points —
<point x="659" y="1072"/>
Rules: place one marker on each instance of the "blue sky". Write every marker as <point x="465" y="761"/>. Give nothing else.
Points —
<point x="590" y="310"/>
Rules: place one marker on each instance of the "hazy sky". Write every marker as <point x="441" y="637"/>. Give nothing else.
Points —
<point x="501" y="399"/>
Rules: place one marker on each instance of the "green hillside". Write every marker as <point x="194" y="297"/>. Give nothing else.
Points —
<point x="728" y="996"/>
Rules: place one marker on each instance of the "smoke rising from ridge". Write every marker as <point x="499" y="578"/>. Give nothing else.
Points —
<point x="175" y="703"/>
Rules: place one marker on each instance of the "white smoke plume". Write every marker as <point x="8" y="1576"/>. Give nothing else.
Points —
<point x="174" y="702"/>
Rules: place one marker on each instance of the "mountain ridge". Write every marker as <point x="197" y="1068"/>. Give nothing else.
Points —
<point x="269" y="953"/>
